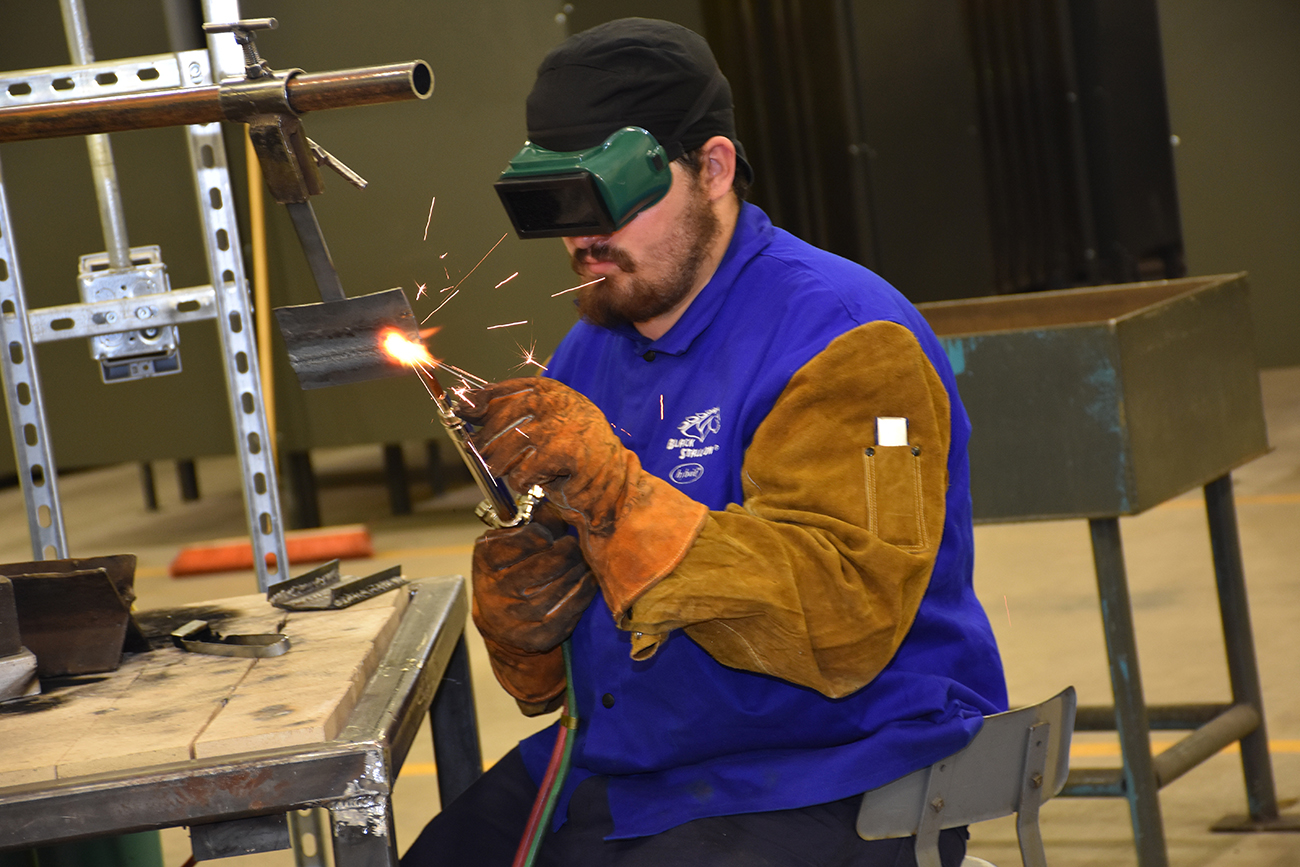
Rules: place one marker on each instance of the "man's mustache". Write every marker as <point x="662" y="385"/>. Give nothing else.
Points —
<point x="604" y="253"/>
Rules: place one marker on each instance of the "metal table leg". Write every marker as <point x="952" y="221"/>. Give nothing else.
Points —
<point x="364" y="833"/>
<point x="1243" y="673"/>
<point x="1140" y="786"/>
<point x="455" y="728"/>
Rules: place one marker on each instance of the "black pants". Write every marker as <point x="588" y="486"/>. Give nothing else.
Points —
<point x="482" y="827"/>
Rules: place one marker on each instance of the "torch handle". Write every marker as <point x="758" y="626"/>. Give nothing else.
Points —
<point x="499" y="507"/>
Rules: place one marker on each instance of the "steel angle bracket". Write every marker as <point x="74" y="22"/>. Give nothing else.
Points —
<point x="198" y="636"/>
<point x="325" y="587"/>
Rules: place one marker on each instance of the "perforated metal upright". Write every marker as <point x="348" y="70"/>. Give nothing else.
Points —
<point x="225" y="300"/>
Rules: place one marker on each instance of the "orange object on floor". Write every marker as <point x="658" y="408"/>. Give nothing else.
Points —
<point x="303" y="546"/>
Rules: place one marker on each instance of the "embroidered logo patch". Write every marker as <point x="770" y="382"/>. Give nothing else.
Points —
<point x="695" y="429"/>
<point x="684" y="474"/>
<point x="701" y="424"/>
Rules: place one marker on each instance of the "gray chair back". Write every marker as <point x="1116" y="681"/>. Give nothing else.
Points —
<point x="1017" y="761"/>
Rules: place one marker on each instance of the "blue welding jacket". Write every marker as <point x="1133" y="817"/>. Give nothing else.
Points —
<point x="679" y="735"/>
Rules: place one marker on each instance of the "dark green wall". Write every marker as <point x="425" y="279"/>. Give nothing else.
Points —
<point x="1233" y="75"/>
<point x="1234" y="91"/>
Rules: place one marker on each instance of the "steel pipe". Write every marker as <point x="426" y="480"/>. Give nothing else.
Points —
<point x="307" y="92"/>
<point x="1231" y="725"/>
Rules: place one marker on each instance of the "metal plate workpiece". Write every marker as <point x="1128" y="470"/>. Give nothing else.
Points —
<point x="1103" y="401"/>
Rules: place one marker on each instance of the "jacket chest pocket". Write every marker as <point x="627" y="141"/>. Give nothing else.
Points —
<point x="895" y="507"/>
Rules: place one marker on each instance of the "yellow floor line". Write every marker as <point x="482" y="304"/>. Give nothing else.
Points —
<point x="1107" y="750"/>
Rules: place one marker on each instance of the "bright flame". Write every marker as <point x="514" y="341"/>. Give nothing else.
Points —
<point x="405" y="351"/>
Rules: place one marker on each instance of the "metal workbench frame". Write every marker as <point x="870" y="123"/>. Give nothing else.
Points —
<point x="352" y="776"/>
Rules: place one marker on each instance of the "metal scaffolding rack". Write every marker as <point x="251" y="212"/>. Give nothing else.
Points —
<point x="225" y="300"/>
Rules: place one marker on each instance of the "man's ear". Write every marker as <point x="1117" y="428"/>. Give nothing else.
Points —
<point x="718" y="166"/>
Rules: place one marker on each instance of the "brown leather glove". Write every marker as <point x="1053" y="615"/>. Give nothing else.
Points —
<point x="531" y="587"/>
<point x="634" y="528"/>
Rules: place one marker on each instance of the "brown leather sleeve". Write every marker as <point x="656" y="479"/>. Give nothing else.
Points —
<point x="817" y="576"/>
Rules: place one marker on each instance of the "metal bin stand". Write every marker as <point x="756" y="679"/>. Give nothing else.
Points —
<point x="1102" y="402"/>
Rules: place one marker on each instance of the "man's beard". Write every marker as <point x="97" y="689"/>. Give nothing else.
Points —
<point x="638" y="298"/>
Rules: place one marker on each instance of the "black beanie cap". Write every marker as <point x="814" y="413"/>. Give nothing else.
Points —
<point x="632" y="72"/>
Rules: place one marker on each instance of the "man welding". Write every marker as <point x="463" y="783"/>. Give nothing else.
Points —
<point x="761" y="452"/>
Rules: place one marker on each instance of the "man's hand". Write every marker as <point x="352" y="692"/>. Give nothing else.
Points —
<point x="538" y="431"/>
<point x="633" y="528"/>
<point x="531" y="584"/>
<point x="531" y="587"/>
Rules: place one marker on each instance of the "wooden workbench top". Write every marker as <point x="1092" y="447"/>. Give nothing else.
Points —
<point x="168" y="705"/>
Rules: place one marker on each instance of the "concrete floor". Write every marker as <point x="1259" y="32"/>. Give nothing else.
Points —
<point x="1036" y="581"/>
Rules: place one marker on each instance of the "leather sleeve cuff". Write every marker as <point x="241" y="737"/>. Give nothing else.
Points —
<point x="656" y="527"/>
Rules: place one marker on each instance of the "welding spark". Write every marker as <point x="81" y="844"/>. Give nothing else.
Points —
<point x="419" y="291"/>
<point x="445" y="271"/>
<point x="465" y="375"/>
<point x="529" y="357"/>
<point x="507" y="280"/>
<point x="480" y="261"/>
<point x="443" y="256"/>
<point x="430" y="220"/>
<point x="576" y="288"/>
<point x="1008" y="607"/>
<point x="661" y="407"/>
<point x="440" y="306"/>
<point x="445" y="289"/>
<point x="508" y="324"/>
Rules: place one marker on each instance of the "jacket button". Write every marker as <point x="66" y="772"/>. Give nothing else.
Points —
<point x="649" y="355"/>
<point x="607" y="700"/>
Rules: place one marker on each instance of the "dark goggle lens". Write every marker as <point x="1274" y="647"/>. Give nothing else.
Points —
<point x="555" y="206"/>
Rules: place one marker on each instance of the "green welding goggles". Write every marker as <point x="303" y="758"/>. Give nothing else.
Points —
<point x="549" y="194"/>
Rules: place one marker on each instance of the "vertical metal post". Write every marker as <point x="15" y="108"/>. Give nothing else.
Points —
<point x="33" y="454"/>
<point x="456" y="748"/>
<point x="307" y="831"/>
<point x="1239" y="642"/>
<point x="399" y="492"/>
<point x="187" y="477"/>
<point x="1126" y="682"/>
<point x="238" y="345"/>
<point x="302" y="487"/>
<point x="107" y="194"/>
<point x="147" y="486"/>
